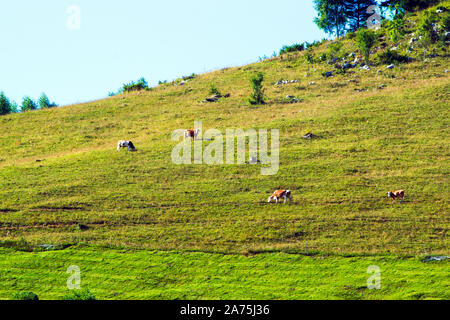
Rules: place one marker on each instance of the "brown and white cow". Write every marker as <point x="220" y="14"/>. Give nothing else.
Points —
<point x="191" y="133"/>
<point x="279" y="194"/>
<point x="398" y="194"/>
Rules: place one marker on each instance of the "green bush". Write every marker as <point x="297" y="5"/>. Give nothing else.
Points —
<point x="309" y="57"/>
<point x="192" y="76"/>
<point x="257" y="96"/>
<point x="141" y="84"/>
<point x="395" y="29"/>
<point x="79" y="295"/>
<point x="391" y="56"/>
<point x="335" y="50"/>
<point x="425" y="28"/>
<point x="25" y="295"/>
<point x="44" y="102"/>
<point x="365" y="40"/>
<point x="28" y="104"/>
<point x="213" y="90"/>
<point x="293" y="48"/>
<point x="446" y="21"/>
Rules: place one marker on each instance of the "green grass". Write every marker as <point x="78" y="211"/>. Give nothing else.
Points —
<point x="142" y="274"/>
<point x="369" y="143"/>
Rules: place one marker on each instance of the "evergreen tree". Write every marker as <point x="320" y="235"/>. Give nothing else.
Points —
<point x="28" y="104"/>
<point x="332" y="16"/>
<point x="409" y="5"/>
<point x="257" y="96"/>
<point x="356" y="12"/>
<point x="44" y="102"/>
<point x="5" y="105"/>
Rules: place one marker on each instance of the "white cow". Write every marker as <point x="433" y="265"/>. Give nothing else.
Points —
<point x="125" y="144"/>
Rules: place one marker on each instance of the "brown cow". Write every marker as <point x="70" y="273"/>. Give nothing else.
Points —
<point x="398" y="194"/>
<point x="191" y="133"/>
<point x="278" y="194"/>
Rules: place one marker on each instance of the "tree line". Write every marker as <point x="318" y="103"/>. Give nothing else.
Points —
<point x="336" y="17"/>
<point x="8" y="106"/>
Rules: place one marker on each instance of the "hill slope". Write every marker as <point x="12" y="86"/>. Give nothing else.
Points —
<point x="370" y="142"/>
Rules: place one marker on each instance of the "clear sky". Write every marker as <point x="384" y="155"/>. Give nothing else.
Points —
<point x="43" y="48"/>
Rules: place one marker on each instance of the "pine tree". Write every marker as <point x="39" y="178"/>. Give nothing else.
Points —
<point x="356" y="12"/>
<point x="28" y="104"/>
<point x="5" y="105"/>
<point x="44" y="102"/>
<point x="332" y="16"/>
<point x="257" y="96"/>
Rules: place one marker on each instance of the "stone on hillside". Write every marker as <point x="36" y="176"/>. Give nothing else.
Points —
<point x="348" y="66"/>
<point x="365" y="67"/>
<point x="391" y="66"/>
<point x="309" y="136"/>
<point x="333" y="60"/>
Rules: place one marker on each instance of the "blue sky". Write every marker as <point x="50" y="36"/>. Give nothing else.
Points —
<point x="42" y="50"/>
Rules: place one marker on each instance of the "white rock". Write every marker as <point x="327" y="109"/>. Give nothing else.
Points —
<point x="391" y="66"/>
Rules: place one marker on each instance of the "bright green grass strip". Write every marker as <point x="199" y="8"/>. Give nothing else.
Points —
<point x="140" y="274"/>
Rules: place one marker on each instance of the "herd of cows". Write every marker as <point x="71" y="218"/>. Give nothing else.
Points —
<point x="276" y="196"/>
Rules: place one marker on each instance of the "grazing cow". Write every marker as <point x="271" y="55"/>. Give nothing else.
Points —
<point x="286" y="194"/>
<point x="400" y="194"/>
<point x="125" y="144"/>
<point x="191" y="133"/>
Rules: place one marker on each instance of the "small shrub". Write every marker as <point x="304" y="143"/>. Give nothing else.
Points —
<point x="335" y="50"/>
<point x="141" y="84"/>
<point x="312" y="45"/>
<point x="351" y="35"/>
<point x="395" y="29"/>
<point x="391" y="56"/>
<point x="192" y="76"/>
<point x="213" y="90"/>
<point x="323" y="57"/>
<point x="257" y="96"/>
<point x="79" y="295"/>
<point x="365" y="40"/>
<point x="25" y="295"/>
<point x="293" y="48"/>
<point x="446" y="21"/>
<point x="309" y="57"/>
<point x="425" y="28"/>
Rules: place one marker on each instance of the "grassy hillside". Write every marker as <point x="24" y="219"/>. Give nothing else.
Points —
<point x="59" y="168"/>
<point x="142" y="274"/>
